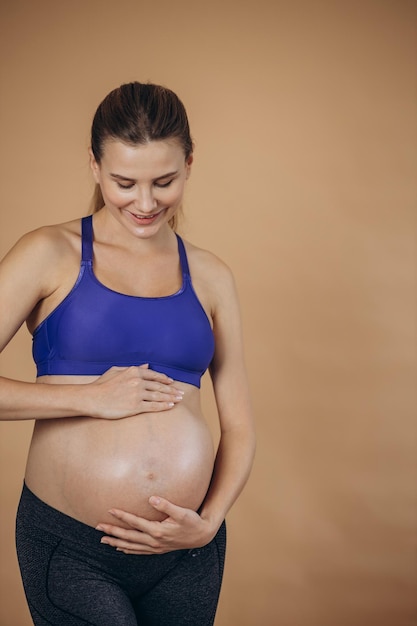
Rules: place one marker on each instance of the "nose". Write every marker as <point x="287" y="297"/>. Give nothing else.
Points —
<point x="145" y="202"/>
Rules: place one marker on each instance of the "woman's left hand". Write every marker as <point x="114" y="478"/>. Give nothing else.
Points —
<point x="182" y="529"/>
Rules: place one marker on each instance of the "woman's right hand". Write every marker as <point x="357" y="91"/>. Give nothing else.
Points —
<point x="125" y="391"/>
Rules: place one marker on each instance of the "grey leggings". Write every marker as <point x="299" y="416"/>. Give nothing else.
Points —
<point x="71" y="579"/>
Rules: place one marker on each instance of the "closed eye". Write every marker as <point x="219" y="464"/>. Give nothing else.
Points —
<point x="162" y="185"/>
<point x="125" y="186"/>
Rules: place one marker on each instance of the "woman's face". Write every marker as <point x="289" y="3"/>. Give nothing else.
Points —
<point x="142" y="185"/>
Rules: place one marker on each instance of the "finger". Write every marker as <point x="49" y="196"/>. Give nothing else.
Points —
<point x="177" y="513"/>
<point x="137" y="552"/>
<point x="157" y="396"/>
<point x="113" y="371"/>
<point x="143" y="550"/>
<point x="148" y="374"/>
<point x="164" y="391"/>
<point x="128" y="534"/>
<point x="131" y="540"/>
<point x="127" y="546"/>
<point x="139" y="525"/>
<point x="156" y="407"/>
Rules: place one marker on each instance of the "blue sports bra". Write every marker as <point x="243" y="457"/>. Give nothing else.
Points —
<point x="94" y="328"/>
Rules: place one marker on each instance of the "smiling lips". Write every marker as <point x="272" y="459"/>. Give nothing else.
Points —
<point x="146" y="218"/>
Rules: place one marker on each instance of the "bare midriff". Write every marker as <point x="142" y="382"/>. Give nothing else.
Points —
<point x="85" y="466"/>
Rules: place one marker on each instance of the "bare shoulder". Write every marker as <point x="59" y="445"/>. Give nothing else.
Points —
<point x="40" y="256"/>
<point x="35" y="268"/>
<point x="207" y="266"/>
<point x="48" y="240"/>
<point x="212" y="278"/>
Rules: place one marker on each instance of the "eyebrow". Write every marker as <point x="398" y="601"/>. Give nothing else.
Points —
<point x="120" y="177"/>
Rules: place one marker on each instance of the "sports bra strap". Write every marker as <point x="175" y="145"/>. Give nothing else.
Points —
<point x="183" y="257"/>
<point x="87" y="245"/>
<point x="87" y="238"/>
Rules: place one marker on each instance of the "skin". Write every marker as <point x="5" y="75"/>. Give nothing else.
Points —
<point x="146" y="180"/>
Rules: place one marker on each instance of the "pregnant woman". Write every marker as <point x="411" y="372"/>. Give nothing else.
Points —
<point x="121" y="518"/>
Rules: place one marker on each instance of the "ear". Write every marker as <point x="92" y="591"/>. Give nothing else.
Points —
<point x="95" y="168"/>
<point x="188" y="164"/>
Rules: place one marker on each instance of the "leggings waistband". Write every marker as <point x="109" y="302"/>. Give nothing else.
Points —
<point x="35" y="512"/>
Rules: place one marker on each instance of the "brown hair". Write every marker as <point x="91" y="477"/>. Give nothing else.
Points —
<point x="137" y="113"/>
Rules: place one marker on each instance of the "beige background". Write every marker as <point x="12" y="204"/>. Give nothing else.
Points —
<point x="304" y="117"/>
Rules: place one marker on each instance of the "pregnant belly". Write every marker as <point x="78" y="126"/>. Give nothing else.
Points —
<point x="83" y="467"/>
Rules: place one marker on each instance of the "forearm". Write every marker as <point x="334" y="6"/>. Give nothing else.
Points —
<point x="233" y="464"/>
<point x="23" y="401"/>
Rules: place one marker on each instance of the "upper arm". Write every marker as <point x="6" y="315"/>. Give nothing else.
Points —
<point x="228" y="369"/>
<point x="24" y="280"/>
